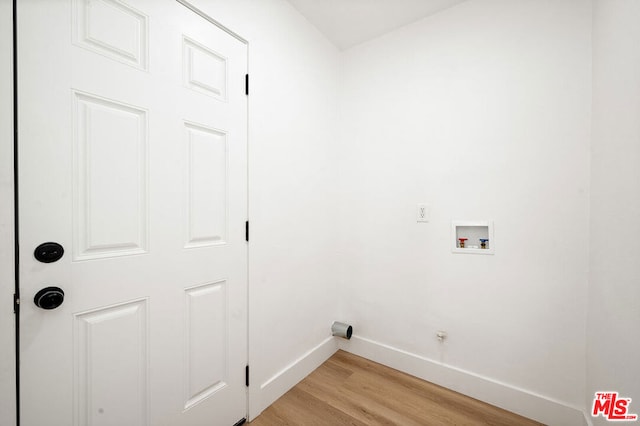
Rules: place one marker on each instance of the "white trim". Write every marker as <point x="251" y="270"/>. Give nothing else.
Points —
<point x="520" y="401"/>
<point x="288" y="377"/>
<point x="197" y="11"/>
<point x="7" y="319"/>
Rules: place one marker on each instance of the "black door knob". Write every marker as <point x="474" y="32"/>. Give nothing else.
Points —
<point x="49" y="298"/>
<point x="48" y="252"/>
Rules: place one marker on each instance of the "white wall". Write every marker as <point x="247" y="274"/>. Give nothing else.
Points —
<point x="483" y="111"/>
<point x="614" y="292"/>
<point x="7" y="363"/>
<point x="293" y="144"/>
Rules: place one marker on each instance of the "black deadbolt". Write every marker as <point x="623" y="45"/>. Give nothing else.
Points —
<point x="48" y="252"/>
<point x="49" y="298"/>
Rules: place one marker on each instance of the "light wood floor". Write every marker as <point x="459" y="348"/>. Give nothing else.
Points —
<point x="350" y="390"/>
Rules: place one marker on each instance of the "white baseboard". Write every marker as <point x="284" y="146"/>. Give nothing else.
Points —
<point x="520" y="401"/>
<point x="289" y="376"/>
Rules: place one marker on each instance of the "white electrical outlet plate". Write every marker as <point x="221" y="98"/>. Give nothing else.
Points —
<point x="423" y="212"/>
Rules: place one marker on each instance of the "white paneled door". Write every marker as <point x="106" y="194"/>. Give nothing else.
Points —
<point x="132" y="156"/>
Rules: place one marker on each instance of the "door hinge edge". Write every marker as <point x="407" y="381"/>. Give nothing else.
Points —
<point x="16" y="303"/>
<point x="246" y="376"/>
<point x="246" y="231"/>
<point x="246" y="84"/>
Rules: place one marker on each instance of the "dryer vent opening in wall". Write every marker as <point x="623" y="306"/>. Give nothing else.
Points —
<point x="340" y="329"/>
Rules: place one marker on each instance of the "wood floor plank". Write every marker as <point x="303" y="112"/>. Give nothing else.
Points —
<point x="350" y="390"/>
<point x="380" y="391"/>
<point x="297" y="408"/>
<point x="444" y="398"/>
<point x="353" y="404"/>
<point x="426" y="398"/>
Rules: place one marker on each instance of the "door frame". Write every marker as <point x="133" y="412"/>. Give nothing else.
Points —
<point x="8" y="365"/>
<point x="9" y="320"/>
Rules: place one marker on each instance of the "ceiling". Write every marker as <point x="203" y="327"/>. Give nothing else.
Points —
<point x="350" y="22"/>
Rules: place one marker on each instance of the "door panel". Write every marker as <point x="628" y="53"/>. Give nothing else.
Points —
<point x="206" y="151"/>
<point x="99" y="370"/>
<point x="204" y="69"/>
<point x="93" y="28"/>
<point x="110" y="214"/>
<point x="206" y="369"/>
<point x="132" y="121"/>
